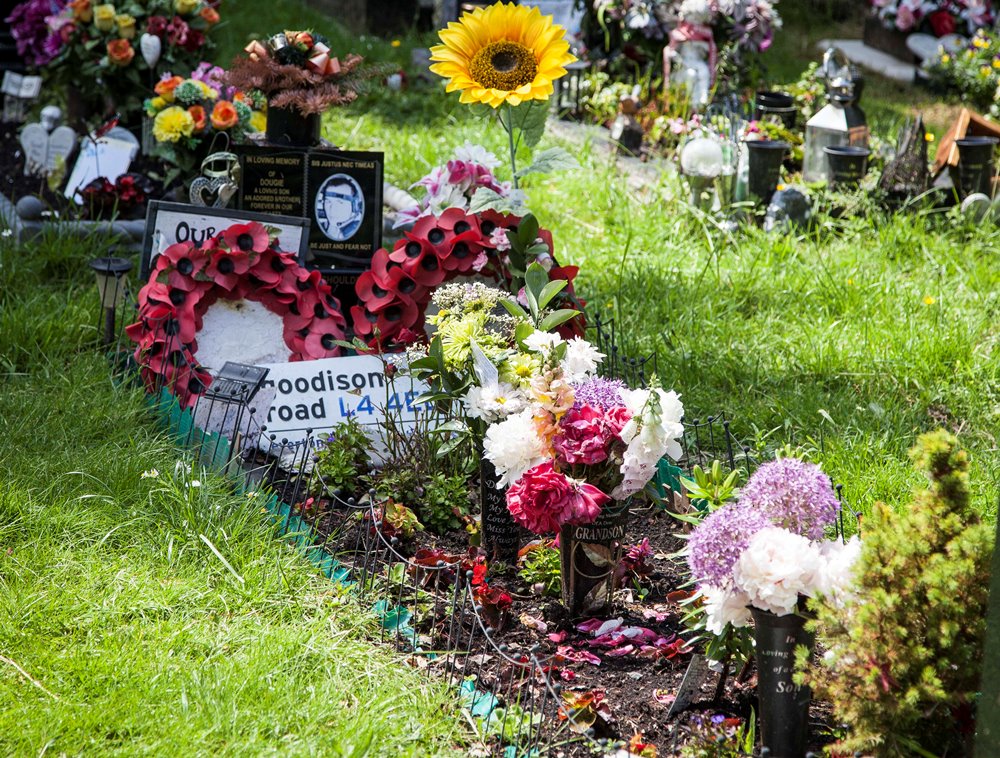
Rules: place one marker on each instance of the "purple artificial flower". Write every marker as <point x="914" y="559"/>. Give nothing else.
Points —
<point x="794" y="495"/>
<point x="31" y="32"/>
<point x="600" y="393"/>
<point x="717" y="542"/>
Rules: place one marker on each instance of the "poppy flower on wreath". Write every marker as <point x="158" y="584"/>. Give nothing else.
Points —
<point x="241" y="263"/>
<point x="394" y="293"/>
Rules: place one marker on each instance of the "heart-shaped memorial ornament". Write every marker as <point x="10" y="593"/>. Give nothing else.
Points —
<point x="215" y="192"/>
<point x="150" y="46"/>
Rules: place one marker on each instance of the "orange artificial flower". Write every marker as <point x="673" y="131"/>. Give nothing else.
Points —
<point x="120" y="52"/>
<point x="198" y="114"/>
<point x="210" y="15"/>
<point x="224" y="115"/>
<point x="165" y="87"/>
<point x="82" y="11"/>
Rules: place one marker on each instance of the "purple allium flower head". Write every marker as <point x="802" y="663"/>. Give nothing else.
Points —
<point x="717" y="542"/>
<point x="600" y="393"/>
<point x="794" y="495"/>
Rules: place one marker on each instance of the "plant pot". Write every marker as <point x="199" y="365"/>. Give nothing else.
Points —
<point x="588" y="556"/>
<point x="974" y="172"/>
<point x="286" y="126"/>
<point x="848" y="164"/>
<point x="765" y="158"/>
<point x="500" y="534"/>
<point x="778" y="104"/>
<point x="784" y="705"/>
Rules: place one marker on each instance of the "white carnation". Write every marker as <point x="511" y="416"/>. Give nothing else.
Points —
<point x="494" y="401"/>
<point x="776" y="568"/>
<point x="513" y="446"/>
<point x="724" y="607"/>
<point x="581" y="361"/>
<point x="835" y="578"/>
<point x="542" y="342"/>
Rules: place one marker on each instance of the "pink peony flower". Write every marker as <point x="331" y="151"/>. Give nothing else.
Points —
<point x="583" y="436"/>
<point x="543" y="500"/>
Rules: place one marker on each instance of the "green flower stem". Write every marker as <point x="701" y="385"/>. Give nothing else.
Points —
<point x="509" y="126"/>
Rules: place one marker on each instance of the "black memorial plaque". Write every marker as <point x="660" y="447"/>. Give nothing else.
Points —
<point x="339" y="191"/>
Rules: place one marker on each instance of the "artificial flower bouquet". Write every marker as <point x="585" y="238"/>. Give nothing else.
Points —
<point x="189" y="114"/>
<point x="939" y="17"/>
<point x="104" y="51"/>
<point x="297" y="70"/>
<point x="454" y="185"/>
<point x="768" y="550"/>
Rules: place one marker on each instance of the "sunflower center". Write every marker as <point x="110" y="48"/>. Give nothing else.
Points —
<point x="504" y="66"/>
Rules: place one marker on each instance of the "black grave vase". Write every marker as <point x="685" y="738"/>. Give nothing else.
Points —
<point x="975" y="165"/>
<point x="848" y="164"/>
<point x="588" y="557"/>
<point x="501" y="536"/>
<point x="765" y="158"/>
<point x="784" y="706"/>
<point x="286" y="126"/>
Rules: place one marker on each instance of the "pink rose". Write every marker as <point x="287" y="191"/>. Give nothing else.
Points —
<point x="905" y="18"/>
<point x="616" y="418"/>
<point x="583" y="437"/>
<point x="543" y="500"/>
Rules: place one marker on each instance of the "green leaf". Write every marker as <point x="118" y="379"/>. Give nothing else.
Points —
<point x="557" y="318"/>
<point x="529" y="119"/>
<point x="550" y="290"/>
<point x="452" y="426"/>
<point x="547" y="161"/>
<point x="522" y="331"/>
<point x="535" y="280"/>
<point x="527" y="231"/>
<point x="449" y="445"/>
<point x="486" y="199"/>
<point x="514" y="309"/>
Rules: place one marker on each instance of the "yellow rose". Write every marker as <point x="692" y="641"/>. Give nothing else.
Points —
<point x="258" y="121"/>
<point x="104" y="17"/>
<point x="158" y="103"/>
<point x="184" y="7"/>
<point x="126" y="26"/>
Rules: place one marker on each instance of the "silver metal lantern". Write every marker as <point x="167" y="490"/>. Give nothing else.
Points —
<point x="840" y="122"/>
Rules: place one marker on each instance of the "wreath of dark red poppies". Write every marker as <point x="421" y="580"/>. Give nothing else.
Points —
<point x="241" y="263"/>
<point x="394" y="293"/>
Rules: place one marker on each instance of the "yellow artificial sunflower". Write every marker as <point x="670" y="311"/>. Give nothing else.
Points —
<point x="502" y="53"/>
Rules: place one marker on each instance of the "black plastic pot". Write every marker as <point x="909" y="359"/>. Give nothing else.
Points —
<point x="779" y="104"/>
<point x="501" y="536"/>
<point x="784" y="705"/>
<point x="975" y="165"/>
<point x="286" y="126"/>
<point x="765" y="157"/>
<point x="848" y="164"/>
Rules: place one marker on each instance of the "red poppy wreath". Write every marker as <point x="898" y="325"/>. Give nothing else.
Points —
<point x="394" y="293"/>
<point x="239" y="264"/>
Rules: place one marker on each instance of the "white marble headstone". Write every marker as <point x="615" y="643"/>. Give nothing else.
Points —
<point x="42" y="151"/>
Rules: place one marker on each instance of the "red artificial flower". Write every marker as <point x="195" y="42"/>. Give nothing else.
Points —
<point x="156" y="25"/>
<point x="321" y="342"/>
<point x="456" y="220"/>
<point x="544" y="499"/>
<point x="427" y="228"/>
<point x="370" y="293"/>
<point x="247" y="237"/>
<point x="209" y="15"/>
<point x="227" y="268"/>
<point x="942" y="23"/>
<point x="269" y="267"/>
<point x="177" y="31"/>
<point x="224" y="115"/>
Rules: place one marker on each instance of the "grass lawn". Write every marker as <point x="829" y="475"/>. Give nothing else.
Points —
<point x="121" y="632"/>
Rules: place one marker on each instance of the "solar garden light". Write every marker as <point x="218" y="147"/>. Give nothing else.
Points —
<point x="111" y="285"/>
<point x="701" y="164"/>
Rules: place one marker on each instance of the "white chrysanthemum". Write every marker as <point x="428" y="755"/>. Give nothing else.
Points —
<point x="776" y="568"/>
<point x="513" y="446"/>
<point x="476" y="154"/>
<point x="581" y="361"/>
<point x="542" y="342"/>
<point x="835" y="578"/>
<point x="494" y="401"/>
<point x="724" y="607"/>
<point x="654" y="431"/>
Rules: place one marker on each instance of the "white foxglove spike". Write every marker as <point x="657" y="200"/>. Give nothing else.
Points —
<point x="151" y="46"/>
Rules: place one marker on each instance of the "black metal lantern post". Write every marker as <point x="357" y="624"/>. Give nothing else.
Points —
<point x="111" y="285"/>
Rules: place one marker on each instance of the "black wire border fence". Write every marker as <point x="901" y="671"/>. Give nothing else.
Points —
<point x="429" y="613"/>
